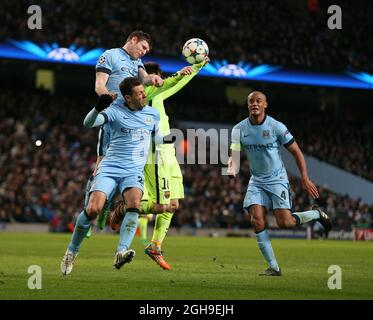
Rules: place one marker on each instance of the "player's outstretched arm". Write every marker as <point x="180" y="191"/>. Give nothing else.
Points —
<point x="307" y="184"/>
<point x="94" y="118"/>
<point x="152" y="91"/>
<point x="187" y="74"/>
<point x="175" y="82"/>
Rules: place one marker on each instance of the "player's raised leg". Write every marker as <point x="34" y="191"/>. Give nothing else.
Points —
<point x="315" y="214"/>
<point x="287" y="220"/>
<point x="280" y="196"/>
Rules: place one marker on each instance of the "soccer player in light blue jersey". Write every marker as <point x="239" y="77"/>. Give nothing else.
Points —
<point x="132" y="126"/>
<point x="112" y="67"/>
<point x="261" y="137"/>
<point x="116" y="64"/>
<point x="163" y="178"/>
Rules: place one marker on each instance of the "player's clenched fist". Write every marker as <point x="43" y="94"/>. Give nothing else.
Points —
<point x="156" y="80"/>
<point x="103" y="102"/>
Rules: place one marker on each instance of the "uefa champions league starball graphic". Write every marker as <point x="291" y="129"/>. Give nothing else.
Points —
<point x="63" y="54"/>
<point x="232" y="70"/>
<point x="53" y="52"/>
<point x="241" y="69"/>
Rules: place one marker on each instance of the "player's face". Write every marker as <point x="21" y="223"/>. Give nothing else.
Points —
<point x="138" y="97"/>
<point x="139" y="48"/>
<point x="257" y="103"/>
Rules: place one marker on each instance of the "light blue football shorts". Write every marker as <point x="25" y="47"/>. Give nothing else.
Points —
<point x="112" y="196"/>
<point x="109" y="185"/>
<point x="271" y="196"/>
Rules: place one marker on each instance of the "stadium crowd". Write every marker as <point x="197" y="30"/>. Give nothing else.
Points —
<point x="334" y="140"/>
<point x="44" y="181"/>
<point x="295" y="32"/>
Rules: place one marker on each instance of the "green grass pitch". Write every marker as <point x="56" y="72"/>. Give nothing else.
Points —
<point x="202" y="268"/>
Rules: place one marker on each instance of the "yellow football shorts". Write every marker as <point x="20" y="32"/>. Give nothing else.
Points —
<point x="163" y="178"/>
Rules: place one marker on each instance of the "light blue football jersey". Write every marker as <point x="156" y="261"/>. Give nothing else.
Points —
<point x="262" y="144"/>
<point x="118" y="64"/>
<point x="130" y="137"/>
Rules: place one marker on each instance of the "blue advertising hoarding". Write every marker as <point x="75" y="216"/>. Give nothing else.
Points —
<point x="27" y="50"/>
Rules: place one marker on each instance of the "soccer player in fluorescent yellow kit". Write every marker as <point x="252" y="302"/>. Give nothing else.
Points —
<point x="163" y="178"/>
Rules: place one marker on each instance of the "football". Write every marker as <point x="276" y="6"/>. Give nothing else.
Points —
<point x="195" y="50"/>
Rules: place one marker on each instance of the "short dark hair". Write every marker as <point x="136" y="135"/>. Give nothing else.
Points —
<point x="127" y="85"/>
<point x="141" y="35"/>
<point x="152" y="67"/>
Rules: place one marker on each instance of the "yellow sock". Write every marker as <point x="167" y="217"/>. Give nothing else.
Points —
<point x="162" y="223"/>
